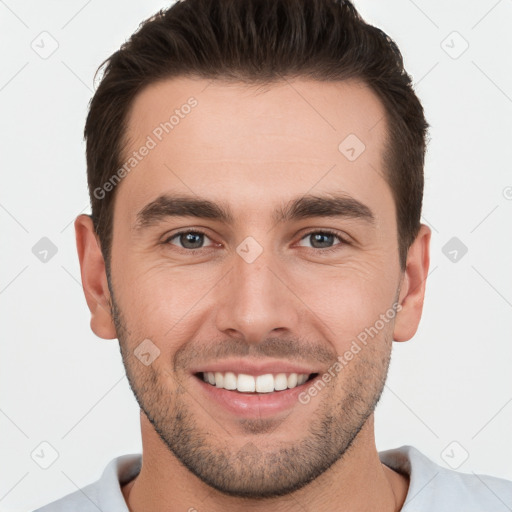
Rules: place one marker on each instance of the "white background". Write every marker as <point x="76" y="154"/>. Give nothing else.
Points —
<point x="62" y="385"/>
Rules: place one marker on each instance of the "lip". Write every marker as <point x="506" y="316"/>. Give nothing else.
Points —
<point x="252" y="405"/>
<point x="254" y="367"/>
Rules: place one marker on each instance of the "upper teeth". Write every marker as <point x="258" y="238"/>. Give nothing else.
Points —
<point x="260" y="384"/>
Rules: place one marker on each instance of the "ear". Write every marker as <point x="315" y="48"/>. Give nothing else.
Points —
<point x="412" y="288"/>
<point x="94" y="278"/>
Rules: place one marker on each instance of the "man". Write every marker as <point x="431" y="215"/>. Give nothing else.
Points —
<point x="256" y="177"/>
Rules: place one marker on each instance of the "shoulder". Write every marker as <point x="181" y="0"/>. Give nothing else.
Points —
<point x="105" y="493"/>
<point x="433" y="487"/>
<point x="83" y="500"/>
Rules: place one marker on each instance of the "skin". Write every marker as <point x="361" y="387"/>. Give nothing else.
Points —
<point x="254" y="150"/>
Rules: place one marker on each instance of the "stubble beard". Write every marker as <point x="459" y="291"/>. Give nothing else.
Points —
<point x="258" y="470"/>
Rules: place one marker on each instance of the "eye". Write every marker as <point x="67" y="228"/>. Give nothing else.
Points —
<point x="324" y="240"/>
<point x="188" y="239"/>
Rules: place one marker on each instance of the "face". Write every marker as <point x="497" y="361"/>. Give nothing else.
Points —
<point x="253" y="252"/>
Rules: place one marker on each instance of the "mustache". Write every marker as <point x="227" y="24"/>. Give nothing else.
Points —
<point x="299" y="351"/>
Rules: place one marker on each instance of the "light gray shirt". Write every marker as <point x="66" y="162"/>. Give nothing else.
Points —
<point x="432" y="488"/>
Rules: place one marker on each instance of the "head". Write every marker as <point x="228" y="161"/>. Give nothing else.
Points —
<point x="256" y="177"/>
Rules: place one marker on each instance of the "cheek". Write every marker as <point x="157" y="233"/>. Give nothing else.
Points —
<point x="350" y="299"/>
<point x="159" y="302"/>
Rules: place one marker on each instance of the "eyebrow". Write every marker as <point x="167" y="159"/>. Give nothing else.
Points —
<point x="302" y="207"/>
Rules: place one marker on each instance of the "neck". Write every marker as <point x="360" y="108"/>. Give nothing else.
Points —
<point x="357" y="482"/>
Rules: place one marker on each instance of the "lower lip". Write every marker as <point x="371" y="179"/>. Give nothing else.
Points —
<point x="254" y="405"/>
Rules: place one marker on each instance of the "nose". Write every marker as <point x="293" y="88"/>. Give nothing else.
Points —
<point x="256" y="300"/>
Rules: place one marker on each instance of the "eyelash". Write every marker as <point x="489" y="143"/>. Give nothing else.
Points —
<point x="322" y="231"/>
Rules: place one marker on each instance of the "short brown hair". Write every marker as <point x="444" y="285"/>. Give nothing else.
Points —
<point x="259" y="41"/>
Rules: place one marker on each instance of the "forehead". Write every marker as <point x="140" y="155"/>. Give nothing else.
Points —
<point x="251" y="145"/>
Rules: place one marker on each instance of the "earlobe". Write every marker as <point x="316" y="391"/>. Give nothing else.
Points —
<point x="412" y="292"/>
<point x="94" y="278"/>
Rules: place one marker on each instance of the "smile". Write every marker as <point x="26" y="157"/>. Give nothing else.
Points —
<point x="244" y="383"/>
